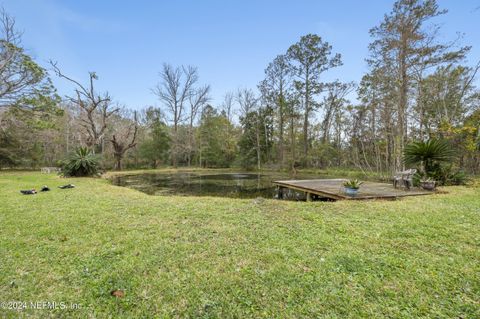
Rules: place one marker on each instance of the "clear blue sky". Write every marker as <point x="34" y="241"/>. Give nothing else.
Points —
<point x="231" y="42"/>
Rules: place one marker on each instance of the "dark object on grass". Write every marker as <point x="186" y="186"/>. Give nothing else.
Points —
<point x="117" y="293"/>
<point x="28" y="192"/>
<point x="45" y="188"/>
<point x="67" y="186"/>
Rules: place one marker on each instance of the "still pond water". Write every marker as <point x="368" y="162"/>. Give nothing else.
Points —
<point x="224" y="184"/>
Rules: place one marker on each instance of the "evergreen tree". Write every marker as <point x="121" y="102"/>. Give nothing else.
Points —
<point x="155" y="149"/>
<point x="309" y="58"/>
<point x="256" y="141"/>
<point x="405" y="47"/>
<point x="217" y="144"/>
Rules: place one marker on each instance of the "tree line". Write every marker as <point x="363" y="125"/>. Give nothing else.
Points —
<point x="418" y="87"/>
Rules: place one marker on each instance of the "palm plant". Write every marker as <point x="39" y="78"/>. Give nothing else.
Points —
<point x="81" y="163"/>
<point x="352" y="183"/>
<point x="428" y="155"/>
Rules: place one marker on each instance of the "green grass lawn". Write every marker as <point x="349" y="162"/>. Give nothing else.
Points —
<point x="219" y="257"/>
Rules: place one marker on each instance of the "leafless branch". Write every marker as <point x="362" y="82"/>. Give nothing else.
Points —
<point x="96" y="109"/>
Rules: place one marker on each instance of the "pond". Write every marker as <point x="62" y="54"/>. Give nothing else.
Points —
<point x="223" y="184"/>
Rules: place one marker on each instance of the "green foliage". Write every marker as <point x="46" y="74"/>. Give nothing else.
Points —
<point x="28" y="97"/>
<point x="447" y="175"/>
<point x="352" y="183"/>
<point x="81" y="163"/>
<point x="216" y="138"/>
<point x="36" y="154"/>
<point x="8" y="149"/>
<point x="310" y="57"/>
<point x="25" y="80"/>
<point x="257" y="134"/>
<point x="324" y="155"/>
<point x="434" y="157"/>
<point x="457" y="178"/>
<point x="428" y="155"/>
<point x="447" y="96"/>
<point x="40" y="110"/>
<point x="155" y="150"/>
<point x="21" y="145"/>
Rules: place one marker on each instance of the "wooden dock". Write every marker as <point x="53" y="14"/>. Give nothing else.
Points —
<point x="333" y="189"/>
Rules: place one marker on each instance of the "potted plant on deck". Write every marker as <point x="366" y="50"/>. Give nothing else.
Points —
<point x="352" y="186"/>
<point x="427" y="184"/>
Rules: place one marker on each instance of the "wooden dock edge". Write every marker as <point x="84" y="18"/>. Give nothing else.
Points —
<point x="310" y="191"/>
<point x="337" y="196"/>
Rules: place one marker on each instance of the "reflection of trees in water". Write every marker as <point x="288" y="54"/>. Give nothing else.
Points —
<point x="235" y="185"/>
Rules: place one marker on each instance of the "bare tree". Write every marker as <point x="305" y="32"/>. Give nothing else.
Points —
<point x="247" y="101"/>
<point x="197" y="100"/>
<point x="123" y="141"/>
<point x="228" y="105"/>
<point x="336" y="97"/>
<point x="95" y="108"/>
<point x="174" y="91"/>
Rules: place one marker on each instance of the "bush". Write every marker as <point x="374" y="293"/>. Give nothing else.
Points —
<point x="81" y="163"/>
<point x="428" y="155"/>
<point x="443" y="174"/>
<point x="457" y="178"/>
<point x="446" y="175"/>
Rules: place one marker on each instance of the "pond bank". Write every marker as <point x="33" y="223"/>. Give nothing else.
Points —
<point x="216" y="182"/>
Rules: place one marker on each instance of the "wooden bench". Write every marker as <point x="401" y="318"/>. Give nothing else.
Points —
<point x="404" y="178"/>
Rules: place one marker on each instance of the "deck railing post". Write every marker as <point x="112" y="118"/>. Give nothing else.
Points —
<point x="309" y="197"/>
<point x="279" y="192"/>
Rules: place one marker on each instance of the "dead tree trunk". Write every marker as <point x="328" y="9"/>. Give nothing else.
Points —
<point x="121" y="147"/>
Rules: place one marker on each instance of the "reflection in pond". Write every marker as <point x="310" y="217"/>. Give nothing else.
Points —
<point x="235" y="185"/>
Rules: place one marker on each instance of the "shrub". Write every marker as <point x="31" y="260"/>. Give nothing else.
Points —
<point x="446" y="175"/>
<point x="81" y="163"/>
<point x="428" y="155"/>
<point x="457" y="178"/>
<point x="443" y="174"/>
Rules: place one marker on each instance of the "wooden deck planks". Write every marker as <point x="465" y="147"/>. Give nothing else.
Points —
<point x="333" y="188"/>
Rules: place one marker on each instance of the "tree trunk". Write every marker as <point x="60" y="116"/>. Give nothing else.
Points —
<point x="281" y="145"/>
<point x="402" y="105"/>
<point x="307" y="111"/>
<point x="258" y="146"/>
<point x="118" y="162"/>
<point x="292" y="143"/>
<point x="190" y="142"/>
<point x="175" y="145"/>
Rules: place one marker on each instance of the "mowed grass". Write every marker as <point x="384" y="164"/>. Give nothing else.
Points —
<point x="227" y="258"/>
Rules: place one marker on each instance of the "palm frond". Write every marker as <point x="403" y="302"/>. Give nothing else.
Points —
<point x="81" y="163"/>
<point x="427" y="153"/>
